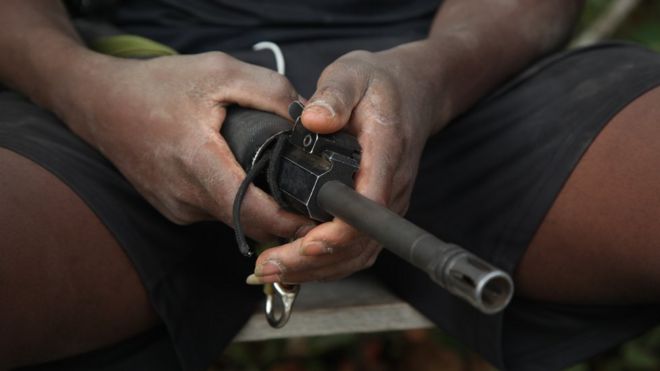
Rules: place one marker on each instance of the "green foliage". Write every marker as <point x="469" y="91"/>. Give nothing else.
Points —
<point x="640" y="354"/>
<point x="591" y="11"/>
<point x="643" y="25"/>
<point x="579" y="367"/>
<point x="408" y="350"/>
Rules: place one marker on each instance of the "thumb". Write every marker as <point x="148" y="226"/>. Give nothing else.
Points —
<point x="338" y="91"/>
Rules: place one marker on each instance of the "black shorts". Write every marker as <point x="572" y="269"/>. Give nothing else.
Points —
<point x="485" y="182"/>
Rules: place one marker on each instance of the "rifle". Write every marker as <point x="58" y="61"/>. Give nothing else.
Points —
<point x="313" y="174"/>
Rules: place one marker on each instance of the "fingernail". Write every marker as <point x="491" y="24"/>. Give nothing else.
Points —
<point x="268" y="268"/>
<point x="316" y="248"/>
<point x="253" y="280"/>
<point x="303" y="230"/>
<point x="321" y="107"/>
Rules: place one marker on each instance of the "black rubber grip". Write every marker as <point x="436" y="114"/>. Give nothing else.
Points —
<point x="245" y="130"/>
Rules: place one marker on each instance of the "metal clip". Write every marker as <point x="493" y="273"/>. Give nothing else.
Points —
<point x="280" y="301"/>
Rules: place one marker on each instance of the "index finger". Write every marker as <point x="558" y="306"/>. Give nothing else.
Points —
<point x="255" y="87"/>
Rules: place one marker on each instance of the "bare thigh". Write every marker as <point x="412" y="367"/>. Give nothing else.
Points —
<point x="600" y="241"/>
<point x="66" y="286"/>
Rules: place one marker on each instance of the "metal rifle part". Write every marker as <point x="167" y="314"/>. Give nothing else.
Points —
<point x="450" y="266"/>
<point x="306" y="178"/>
<point x="310" y="161"/>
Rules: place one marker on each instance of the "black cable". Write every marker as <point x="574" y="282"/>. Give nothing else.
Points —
<point x="272" y="159"/>
<point x="274" y="170"/>
<point x="243" y="245"/>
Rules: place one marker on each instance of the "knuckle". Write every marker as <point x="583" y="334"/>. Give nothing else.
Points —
<point x="220" y="70"/>
<point x="217" y="59"/>
<point x="282" y="230"/>
<point x="168" y="207"/>
<point x="359" y="54"/>
<point x="403" y="207"/>
<point x="344" y="73"/>
<point x="404" y="178"/>
<point x="353" y="61"/>
<point x="180" y="209"/>
<point x="344" y="69"/>
<point x="180" y="217"/>
<point x="282" y="85"/>
<point x="358" y="62"/>
<point x="371" y="260"/>
<point x="361" y="261"/>
<point x="368" y="255"/>
<point x="382" y="198"/>
<point x="331" y="91"/>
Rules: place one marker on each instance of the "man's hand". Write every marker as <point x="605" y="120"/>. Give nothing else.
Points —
<point x="159" y="122"/>
<point x="393" y="100"/>
<point x="156" y="120"/>
<point x="376" y="97"/>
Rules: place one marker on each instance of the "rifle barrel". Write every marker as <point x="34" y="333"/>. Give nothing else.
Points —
<point x="460" y="272"/>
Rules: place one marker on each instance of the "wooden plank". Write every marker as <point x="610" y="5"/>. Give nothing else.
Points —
<point x="354" y="305"/>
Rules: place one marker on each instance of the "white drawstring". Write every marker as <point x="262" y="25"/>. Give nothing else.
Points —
<point x="277" y="52"/>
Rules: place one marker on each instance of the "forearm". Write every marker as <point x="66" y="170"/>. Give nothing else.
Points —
<point x="41" y="50"/>
<point x="474" y="45"/>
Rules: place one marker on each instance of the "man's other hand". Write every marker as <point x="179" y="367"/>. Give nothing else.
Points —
<point x="378" y="98"/>
<point x="159" y="122"/>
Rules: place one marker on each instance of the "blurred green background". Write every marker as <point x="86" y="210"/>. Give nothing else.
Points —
<point x="431" y="349"/>
<point x="641" y="26"/>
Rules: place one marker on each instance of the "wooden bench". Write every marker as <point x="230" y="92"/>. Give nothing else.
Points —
<point x="354" y="305"/>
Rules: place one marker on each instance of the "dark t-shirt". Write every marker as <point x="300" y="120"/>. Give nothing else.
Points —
<point x="198" y="25"/>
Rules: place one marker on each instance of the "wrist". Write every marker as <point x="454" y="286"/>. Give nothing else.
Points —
<point x="425" y="74"/>
<point x="42" y="53"/>
<point x="41" y="65"/>
<point x="72" y="83"/>
<point x="58" y="83"/>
